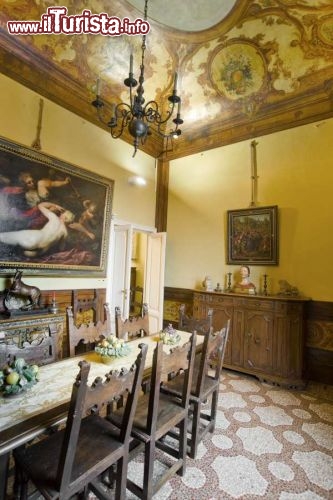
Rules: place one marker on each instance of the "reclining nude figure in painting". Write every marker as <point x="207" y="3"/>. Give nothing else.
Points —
<point x="38" y="241"/>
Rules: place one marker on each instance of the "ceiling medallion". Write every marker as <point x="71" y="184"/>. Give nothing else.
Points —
<point x="325" y="31"/>
<point x="237" y="70"/>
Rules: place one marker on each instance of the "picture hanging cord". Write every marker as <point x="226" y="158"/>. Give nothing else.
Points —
<point x="36" y="143"/>
<point x="254" y="176"/>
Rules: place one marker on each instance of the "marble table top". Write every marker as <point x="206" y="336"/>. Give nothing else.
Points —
<point x="56" y="380"/>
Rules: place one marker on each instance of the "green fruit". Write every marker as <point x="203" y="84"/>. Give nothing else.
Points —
<point x="28" y="374"/>
<point x="12" y="378"/>
<point x="19" y="364"/>
<point x="34" y="369"/>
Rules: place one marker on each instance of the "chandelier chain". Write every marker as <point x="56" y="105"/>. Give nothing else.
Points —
<point x="140" y="119"/>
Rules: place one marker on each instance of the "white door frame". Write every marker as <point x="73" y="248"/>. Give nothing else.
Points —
<point x="134" y="227"/>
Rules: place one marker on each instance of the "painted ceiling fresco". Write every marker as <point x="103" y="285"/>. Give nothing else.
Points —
<point x="245" y="68"/>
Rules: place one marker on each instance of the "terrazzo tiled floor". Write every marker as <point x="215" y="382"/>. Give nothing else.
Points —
<point x="269" y="443"/>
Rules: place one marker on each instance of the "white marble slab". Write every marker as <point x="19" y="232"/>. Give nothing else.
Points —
<point x="56" y="381"/>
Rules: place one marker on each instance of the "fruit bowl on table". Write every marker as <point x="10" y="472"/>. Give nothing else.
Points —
<point x="112" y="347"/>
<point x="169" y="336"/>
<point x="17" y="376"/>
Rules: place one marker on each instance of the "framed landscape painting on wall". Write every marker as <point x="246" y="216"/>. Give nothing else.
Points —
<point x="54" y="217"/>
<point x="253" y="236"/>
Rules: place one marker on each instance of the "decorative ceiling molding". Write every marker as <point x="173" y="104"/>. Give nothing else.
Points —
<point x="266" y="66"/>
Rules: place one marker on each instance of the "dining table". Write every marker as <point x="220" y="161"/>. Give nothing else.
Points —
<point x="44" y="406"/>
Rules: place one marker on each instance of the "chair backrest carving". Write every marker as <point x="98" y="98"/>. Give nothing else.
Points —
<point x="87" y="401"/>
<point x="87" y="308"/>
<point x="180" y="359"/>
<point x="85" y="336"/>
<point x="212" y="356"/>
<point x="134" y="326"/>
<point x="189" y="324"/>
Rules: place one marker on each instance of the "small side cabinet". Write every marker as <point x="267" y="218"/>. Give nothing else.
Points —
<point x="266" y="337"/>
<point x="36" y="338"/>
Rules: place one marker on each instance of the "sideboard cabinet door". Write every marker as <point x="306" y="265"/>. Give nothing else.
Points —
<point x="289" y="335"/>
<point x="258" y="341"/>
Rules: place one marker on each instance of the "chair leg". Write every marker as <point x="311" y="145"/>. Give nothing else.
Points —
<point x="195" y="429"/>
<point x="21" y="484"/>
<point x="148" y="489"/>
<point x="182" y="446"/>
<point x="17" y="484"/>
<point x="121" y="479"/>
<point x="214" y="410"/>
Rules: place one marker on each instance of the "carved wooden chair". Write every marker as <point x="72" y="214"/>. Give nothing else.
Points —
<point x="134" y="326"/>
<point x="156" y="414"/>
<point x="84" y="337"/>
<point x="188" y="323"/>
<point x="87" y="308"/>
<point x="70" y="460"/>
<point x="204" y="388"/>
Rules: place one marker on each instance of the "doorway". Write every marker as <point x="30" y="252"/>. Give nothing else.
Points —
<point x="137" y="258"/>
<point x="138" y="266"/>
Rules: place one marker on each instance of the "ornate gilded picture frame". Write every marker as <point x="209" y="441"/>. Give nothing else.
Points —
<point x="54" y="217"/>
<point x="253" y="236"/>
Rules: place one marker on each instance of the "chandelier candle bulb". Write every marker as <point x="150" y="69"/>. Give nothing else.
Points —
<point x="179" y="108"/>
<point x="131" y="65"/>
<point x="175" y="84"/>
<point x="98" y="87"/>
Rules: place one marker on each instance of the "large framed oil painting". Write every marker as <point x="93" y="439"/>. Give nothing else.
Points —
<point x="253" y="236"/>
<point x="54" y="217"/>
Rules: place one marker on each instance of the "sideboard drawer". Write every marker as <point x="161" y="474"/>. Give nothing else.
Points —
<point x="255" y="304"/>
<point x="213" y="299"/>
<point x="288" y="307"/>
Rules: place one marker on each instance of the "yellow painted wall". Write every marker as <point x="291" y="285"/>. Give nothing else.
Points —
<point x="139" y="259"/>
<point x="295" y="170"/>
<point x="72" y="139"/>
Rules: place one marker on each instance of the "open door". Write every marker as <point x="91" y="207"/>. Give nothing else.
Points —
<point x="154" y="280"/>
<point x="120" y="272"/>
<point x="121" y="250"/>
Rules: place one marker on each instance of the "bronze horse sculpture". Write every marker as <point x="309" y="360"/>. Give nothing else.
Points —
<point x="22" y="290"/>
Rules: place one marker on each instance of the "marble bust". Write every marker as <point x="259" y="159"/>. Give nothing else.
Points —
<point x="244" y="285"/>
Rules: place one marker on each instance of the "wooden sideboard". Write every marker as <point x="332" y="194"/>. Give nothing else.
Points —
<point x="32" y="330"/>
<point x="266" y="337"/>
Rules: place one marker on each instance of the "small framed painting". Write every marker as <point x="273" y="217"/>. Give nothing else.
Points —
<point x="253" y="236"/>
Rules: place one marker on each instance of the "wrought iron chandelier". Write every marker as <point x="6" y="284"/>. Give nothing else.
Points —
<point x="140" y="119"/>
